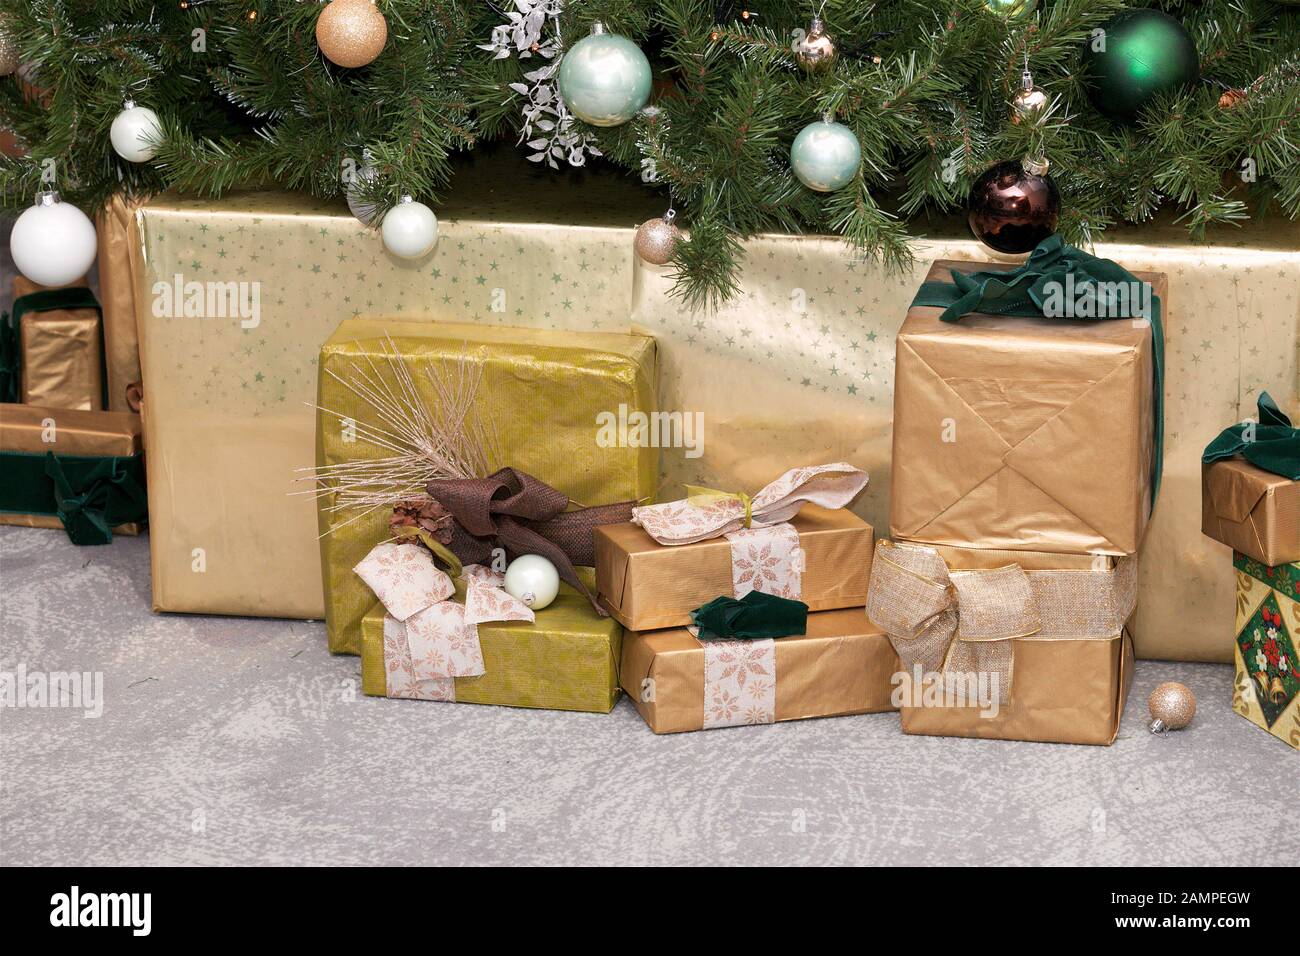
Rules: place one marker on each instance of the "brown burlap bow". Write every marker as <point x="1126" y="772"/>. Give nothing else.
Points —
<point x="522" y="515"/>
<point x="963" y="622"/>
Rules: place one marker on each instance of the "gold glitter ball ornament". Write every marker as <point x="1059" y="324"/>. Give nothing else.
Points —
<point x="656" y="240"/>
<point x="1172" y="707"/>
<point x="351" y="33"/>
<point x="815" y="51"/>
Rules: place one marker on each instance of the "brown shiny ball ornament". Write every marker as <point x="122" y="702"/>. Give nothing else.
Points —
<point x="1027" y="104"/>
<point x="656" y="240"/>
<point x="1013" y="210"/>
<point x="351" y="33"/>
<point x="815" y="51"/>
<point x="1172" y="707"/>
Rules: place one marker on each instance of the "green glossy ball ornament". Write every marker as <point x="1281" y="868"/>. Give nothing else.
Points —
<point x="1144" y="53"/>
<point x="825" y="156"/>
<point x="604" y="78"/>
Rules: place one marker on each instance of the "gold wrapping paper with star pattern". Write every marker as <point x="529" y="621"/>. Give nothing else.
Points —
<point x="798" y="368"/>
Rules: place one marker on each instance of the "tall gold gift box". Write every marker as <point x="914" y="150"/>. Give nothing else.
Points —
<point x="540" y="395"/>
<point x="1023" y="433"/>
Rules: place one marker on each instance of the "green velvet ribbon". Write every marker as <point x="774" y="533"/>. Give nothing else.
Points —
<point x="90" y="494"/>
<point x="1272" y="444"/>
<point x="47" y="300"/>
<point x="1024" y="290"/>
<point x="754" y="616"/>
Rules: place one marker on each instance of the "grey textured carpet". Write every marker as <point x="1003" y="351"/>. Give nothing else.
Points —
<point x="226" y="740"/>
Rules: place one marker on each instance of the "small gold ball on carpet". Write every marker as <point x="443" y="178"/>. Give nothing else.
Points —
<point x="1172" y="707"/>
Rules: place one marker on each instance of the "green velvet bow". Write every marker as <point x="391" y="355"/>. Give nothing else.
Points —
<point x="91" y="495"/>
<point x="754" y="616"/>
<point x="11" y="359"/>
<point x="1023" y="291"/>
<point x="1272" y="444"/>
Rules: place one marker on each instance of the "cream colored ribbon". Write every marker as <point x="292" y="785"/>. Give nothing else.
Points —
<point x="429" y="639"/>
<point x="964" y="622"/>
<point x="705" y="515"/>
<point x="739" y="683"/>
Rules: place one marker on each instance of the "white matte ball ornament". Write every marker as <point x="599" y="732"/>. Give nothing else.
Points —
<point x="410" y="229"/>
<point x="53" y="242"/>
<point x="135" y="133"/>
<point x="532" y="579"/>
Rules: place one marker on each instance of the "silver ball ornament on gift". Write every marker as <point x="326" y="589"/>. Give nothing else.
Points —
<point x="815" y="51"/>
<point x="1172" y="707"/>
<point x="409" y="229"/>
<point x="532" y="579"/>
<point x="656" y="239"/>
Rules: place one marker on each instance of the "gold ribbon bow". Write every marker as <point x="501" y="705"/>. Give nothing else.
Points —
<point x="700" y="497"/>
<point x="962" y="623"/>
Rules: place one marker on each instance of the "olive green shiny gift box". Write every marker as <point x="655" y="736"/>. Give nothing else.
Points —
<point x="566" y="660"/>
<point x="540" y="395"/>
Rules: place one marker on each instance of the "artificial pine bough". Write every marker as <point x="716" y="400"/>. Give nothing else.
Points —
<point x="245" y="96"/>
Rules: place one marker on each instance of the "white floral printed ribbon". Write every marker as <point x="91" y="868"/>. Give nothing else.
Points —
<point x="687" y="521"/>
<point x="768" y="560"/>
<point x="739" y="683"/>
<point x="429" y="640"/>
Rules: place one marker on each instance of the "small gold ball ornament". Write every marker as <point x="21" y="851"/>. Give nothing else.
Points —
<point x="815" y="51"/>
<point x="1027" y="104"/>
<point x="656" y="239"/>
<point x="351" y="33"/>
<point x="1172" y="707"/>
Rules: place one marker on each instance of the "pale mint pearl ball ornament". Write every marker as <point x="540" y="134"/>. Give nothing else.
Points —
<point x="825" y="155"/>
<point x="135" y="133"/>
<point x="410" y="229"/>
<point x="604" y="78"/>
<point x="53" y="242"/>
<point x="532" y="579"/>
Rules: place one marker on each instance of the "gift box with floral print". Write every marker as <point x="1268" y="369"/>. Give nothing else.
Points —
<point x="1267" y="690"/>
